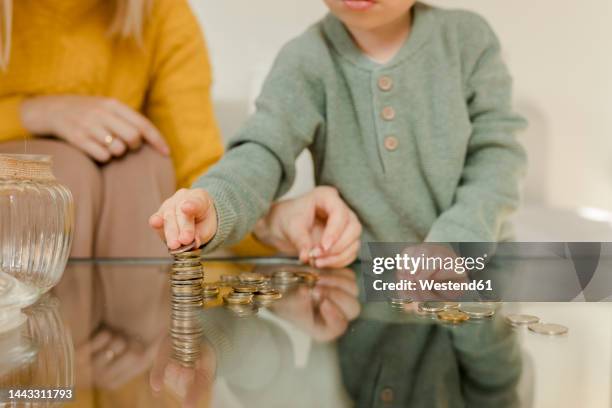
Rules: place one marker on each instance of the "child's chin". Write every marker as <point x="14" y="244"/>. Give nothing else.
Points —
<point x="362" y="22"/>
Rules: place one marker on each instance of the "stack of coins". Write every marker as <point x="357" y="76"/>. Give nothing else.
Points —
<point x="241" y="302"/>
<point x="399" y="303"/>
<point x="266" y="296"/>
<point x="284" y="280"/>
<point x="255" y="279"/>
<point x="187" y="294"/>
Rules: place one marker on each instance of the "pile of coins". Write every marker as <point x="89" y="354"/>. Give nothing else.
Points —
<point x="186" y="279"/>
<point x="249" y="292"/>
<point x="448" y="312"/>
<point x="534" y="324"/>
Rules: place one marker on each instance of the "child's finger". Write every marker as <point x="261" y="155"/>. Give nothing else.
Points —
<point x="186" y="226"/>
<point x="345" y="283"/>
<point x="339" y="261"/>
<point x="333" y="323"/>
<point x="171" y="230"/>
<point x="348" y="304"/>
<point x="299" y="236"/>
<point x="348" y="236"/>
<point x="337" y="219"/>
<point x="205" y="230"/>
<point x="156" y="221"/>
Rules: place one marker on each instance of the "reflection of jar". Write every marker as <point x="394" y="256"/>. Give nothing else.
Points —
<point x="46" y="358"/>
<point x="36" y="221"/>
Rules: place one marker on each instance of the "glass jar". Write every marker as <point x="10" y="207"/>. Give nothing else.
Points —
<point x="36" y="222"/>
<point x="40" y="352"/>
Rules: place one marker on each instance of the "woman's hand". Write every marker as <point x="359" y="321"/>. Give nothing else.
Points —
<point x="318" y="226"/>
<point x="101" y="127"/>
<point x="187" y="216"/>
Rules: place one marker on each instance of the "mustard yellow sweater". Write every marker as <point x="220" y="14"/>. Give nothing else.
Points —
<point x="63" y="47"/>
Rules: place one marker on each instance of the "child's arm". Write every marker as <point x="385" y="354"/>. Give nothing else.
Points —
<point x="489" y="187"/>
<point x="260" y="163"/>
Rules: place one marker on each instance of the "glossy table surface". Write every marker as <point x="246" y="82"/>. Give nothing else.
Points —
<point x="105" y="331"/>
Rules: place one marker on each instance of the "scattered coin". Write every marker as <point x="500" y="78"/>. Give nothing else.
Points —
<point x="399" y="303"/>
<point x="550" y="329"/>
<point x="308" y="278"/>
<point x="431" y="307"/>
<point x="238" y="298"/>
<point x="453" y="316"/>
<point x="265" y="297"/>
<point x="245" y="288"/>
<point x="521" y="319"/>
<point x="476" y="310"/>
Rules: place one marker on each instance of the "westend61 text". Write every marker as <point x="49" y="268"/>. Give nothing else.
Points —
<point x="433" y="285"/>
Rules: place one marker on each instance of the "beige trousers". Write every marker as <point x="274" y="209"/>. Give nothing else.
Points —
<point x="113" y="201"/>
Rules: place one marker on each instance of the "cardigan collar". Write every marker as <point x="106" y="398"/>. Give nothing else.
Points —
<point x="342" y="41"/>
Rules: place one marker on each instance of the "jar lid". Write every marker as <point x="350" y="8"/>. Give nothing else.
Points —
<point x="26" y="167"/>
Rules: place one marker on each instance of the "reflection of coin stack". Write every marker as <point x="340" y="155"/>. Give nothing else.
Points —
<point x="186" y="283"/>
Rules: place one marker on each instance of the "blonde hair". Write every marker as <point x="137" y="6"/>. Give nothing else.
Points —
<point x="128" y="22"/>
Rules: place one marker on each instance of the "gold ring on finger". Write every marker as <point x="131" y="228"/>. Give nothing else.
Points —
<point x="108" y="139"/>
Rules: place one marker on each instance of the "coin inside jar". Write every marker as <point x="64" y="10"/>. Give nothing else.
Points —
<point x="521" y="319"/>
<point x="453" y="316"/>
<point x="477" y="311"/>
<point x="550" y="329"/>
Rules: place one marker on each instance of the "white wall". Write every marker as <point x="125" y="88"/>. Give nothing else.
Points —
<point x="558" y="50"/>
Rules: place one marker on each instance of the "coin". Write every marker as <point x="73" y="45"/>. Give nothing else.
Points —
<point x="182" y="249"/>
<point x="399" y="303"/>
<point x="245" y="288"/>
<point x="242" y="311"/>
<point x="229" y="279"/>
<point x="521" y="319"/>
<point x="210" y="290"/>
<point x="550" y="329"/>
<point x="285" y="276"/>
<point x="251" y="277"/>
<point x="453" y="316"/>
<point x="431" y="307"/>
<point x="267" y="295"/>
<point x="476" y="311"/>
<point x="308" y="278"/>
<point x="450" y="305"/>
<point x="236" y="299"/>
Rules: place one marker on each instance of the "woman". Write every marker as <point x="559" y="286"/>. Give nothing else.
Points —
<point x="119" y="93"/>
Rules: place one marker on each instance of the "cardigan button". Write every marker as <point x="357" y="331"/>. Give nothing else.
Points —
<point x="387" y="396"/>
<point x="388" y="113"/>
<point x="391" y="143"/>
<point x="385" y="83"/>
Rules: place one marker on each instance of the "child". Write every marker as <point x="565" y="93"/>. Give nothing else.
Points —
<point x="407" y="111"/>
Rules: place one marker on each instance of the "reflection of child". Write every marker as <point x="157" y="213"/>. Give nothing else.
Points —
<point x="407" y="111"/>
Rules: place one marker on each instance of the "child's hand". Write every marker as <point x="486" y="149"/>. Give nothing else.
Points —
<point x="317" y="226"/>
<point x="326" y="310"/>
<point x="187" y="216"/>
